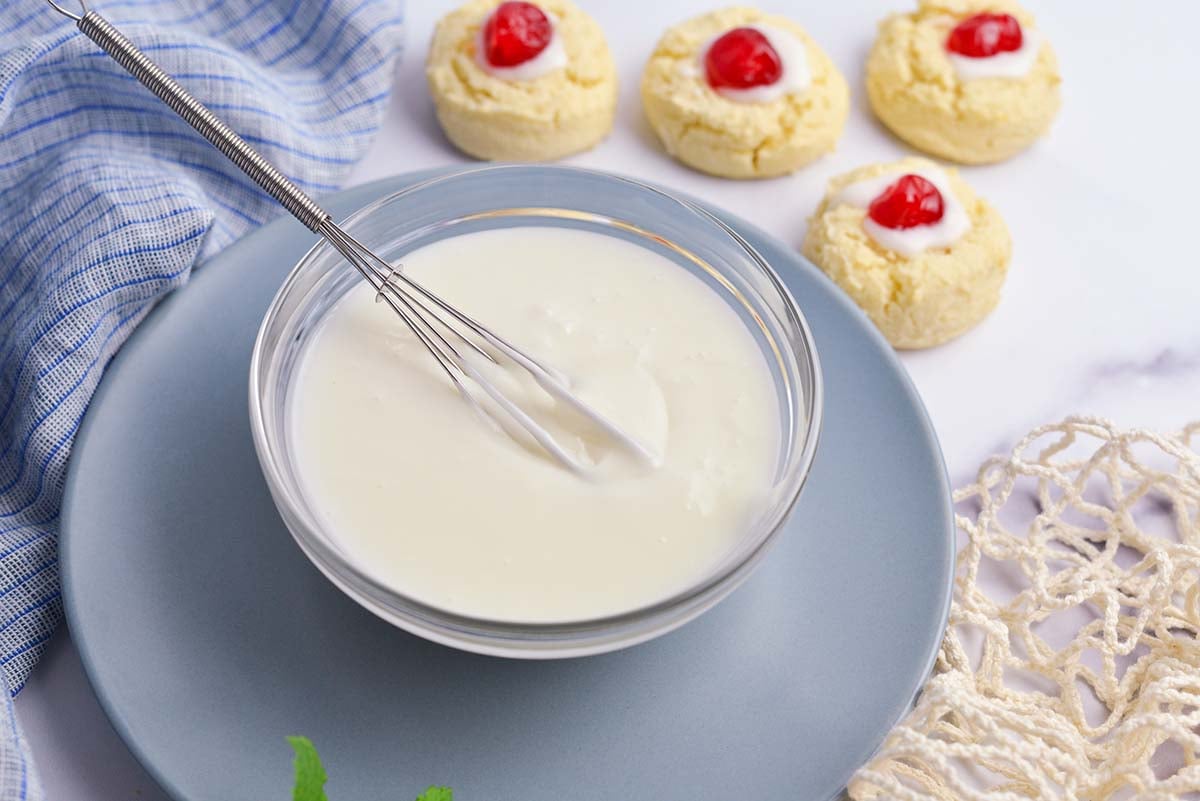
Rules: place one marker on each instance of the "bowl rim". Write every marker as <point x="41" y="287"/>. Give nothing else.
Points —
<point x="401" y="607"/>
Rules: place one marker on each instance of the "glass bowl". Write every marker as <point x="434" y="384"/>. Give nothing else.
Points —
<point x="504" y="196"/>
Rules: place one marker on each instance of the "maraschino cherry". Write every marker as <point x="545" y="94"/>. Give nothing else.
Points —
<point x="985" y="35"/>
<point x="514" y="33"/>
<point x="907" y="203"/>
<point x="742" y="58"/>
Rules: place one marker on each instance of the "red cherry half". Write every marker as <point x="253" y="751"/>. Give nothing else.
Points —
<point x="742" y="58"/>
<point x="514" y="33"/>
<point x="985" y="35"/>
<point x="909" y="202"/>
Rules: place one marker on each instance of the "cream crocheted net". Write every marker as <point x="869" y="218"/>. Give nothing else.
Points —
<point x="1097" y="532"/>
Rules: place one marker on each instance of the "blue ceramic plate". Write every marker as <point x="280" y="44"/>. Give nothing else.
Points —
<point x="209" y="637"/>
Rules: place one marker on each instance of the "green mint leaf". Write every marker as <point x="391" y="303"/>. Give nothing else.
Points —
<point x="437" y="794"/>
<point x="310" y="776"/>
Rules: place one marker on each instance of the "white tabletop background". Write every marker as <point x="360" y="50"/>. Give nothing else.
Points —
<point x="1100" y="315"/>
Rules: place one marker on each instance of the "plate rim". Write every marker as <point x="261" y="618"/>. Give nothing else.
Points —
<point x="396" y="182"/>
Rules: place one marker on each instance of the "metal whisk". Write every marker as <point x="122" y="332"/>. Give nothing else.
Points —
<point x="440" y="327"/>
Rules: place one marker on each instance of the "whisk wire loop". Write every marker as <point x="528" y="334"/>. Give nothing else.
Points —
<point x="418" y="307"/>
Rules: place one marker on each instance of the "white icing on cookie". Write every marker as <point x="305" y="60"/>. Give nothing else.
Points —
<point x="552" y="57"/>
<point x="1012" y="64"/>
<point x="909" y="242"/>
<point x="796" y="75"/>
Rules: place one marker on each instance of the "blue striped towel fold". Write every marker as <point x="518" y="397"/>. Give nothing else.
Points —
<point x="107" y="200"/>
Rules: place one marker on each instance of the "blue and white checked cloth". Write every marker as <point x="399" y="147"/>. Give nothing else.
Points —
<point x="107" y="200"/>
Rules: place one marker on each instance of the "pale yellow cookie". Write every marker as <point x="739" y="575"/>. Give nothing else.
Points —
<point x="916" y="91"/>
<point x="921" y="300"/>
<point x="563" y="111"/>
<point x="735" y="139"/>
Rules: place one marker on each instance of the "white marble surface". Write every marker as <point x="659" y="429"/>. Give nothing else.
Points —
<point x="1101" y="313"/>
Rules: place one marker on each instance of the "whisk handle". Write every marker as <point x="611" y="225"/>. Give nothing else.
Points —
<point x="263" y="173"/>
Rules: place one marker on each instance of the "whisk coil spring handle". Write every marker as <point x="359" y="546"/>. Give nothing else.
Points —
<point x="150" y="75"/>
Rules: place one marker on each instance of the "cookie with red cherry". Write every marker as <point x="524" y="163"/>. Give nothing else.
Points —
<point x="740" y="93"/>
<point x="522" y="81"/>
<point x="973" y="81"/>
<point x="914" y="247"/>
